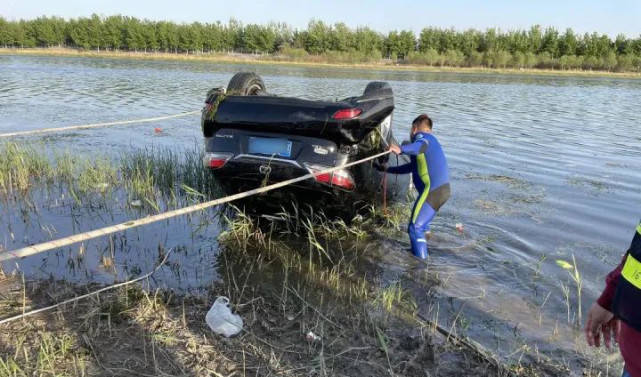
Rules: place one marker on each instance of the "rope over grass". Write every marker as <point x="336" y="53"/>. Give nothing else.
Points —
<point x="96" y="292"/>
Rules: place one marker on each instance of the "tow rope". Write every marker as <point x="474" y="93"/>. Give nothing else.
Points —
<point x="385" y="192"/>
<point x="96" y="125"/>
<point x="66" y="241"/>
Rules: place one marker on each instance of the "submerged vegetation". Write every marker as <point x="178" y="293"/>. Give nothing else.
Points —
<point x="324" y="43"/>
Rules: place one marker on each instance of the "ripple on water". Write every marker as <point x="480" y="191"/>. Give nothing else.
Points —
<point x="541" y="166"/>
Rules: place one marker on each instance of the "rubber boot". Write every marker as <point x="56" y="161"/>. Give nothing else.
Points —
<point x="418" y="241"/>
<point x="422" y="250"/>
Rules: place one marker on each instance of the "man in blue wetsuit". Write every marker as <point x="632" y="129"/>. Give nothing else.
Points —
<point x="430" y="176"/>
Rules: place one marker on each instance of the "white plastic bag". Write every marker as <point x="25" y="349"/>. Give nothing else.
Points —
<point x="221" y="320"/>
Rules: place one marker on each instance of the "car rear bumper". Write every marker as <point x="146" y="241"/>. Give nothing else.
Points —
<point x="228" y="153"/>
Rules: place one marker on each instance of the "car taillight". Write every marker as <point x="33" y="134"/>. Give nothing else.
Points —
<point x="344" y="114"/>
<point x="343" y="179"/>
<point x="339" y="178"/>
<point x="216" y="160"/>
<point x="323" y="178"/>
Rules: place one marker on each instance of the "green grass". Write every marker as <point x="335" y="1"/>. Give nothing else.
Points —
<point x="157" y="178"/>
<point x="152" y="172"/>
<point x="44" y="359"/>
<point x="395" y="298"/>
<point x="21" y="167"/>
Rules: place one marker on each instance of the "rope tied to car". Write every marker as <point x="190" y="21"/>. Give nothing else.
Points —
<point x="97" y="125"/>
<point x="76" y="238"/>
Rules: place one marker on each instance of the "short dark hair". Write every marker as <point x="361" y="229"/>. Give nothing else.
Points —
<point x="422" y="119"/>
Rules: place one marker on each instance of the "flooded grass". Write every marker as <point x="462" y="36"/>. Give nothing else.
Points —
<point x="21" y="167"/>
<point x="149" y="176"/>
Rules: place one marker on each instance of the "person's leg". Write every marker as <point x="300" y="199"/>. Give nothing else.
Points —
<point x="625" y="373"/>
<point x="436" y="199"/>
<point x="422" y="214"/>
<point x="411" y="231"/>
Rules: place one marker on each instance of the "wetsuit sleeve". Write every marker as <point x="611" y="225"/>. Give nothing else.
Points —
<point x="415" y="148"/>
<point x="605" y="301"/>
<point x="400" y="169"/>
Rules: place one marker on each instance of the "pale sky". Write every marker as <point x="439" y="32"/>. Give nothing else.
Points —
<point x="604" y="16"/>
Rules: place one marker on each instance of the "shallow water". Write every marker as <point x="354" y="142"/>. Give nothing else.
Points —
<point x="542" y="168"/>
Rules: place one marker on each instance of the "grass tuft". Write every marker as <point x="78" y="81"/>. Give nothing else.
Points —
<point x="21" y="167"/>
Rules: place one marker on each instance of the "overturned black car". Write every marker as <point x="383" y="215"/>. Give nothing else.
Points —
<point x="253" y="138"/>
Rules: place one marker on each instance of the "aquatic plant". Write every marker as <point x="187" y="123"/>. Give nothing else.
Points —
<point x="394" y="297"/>
<point x="169" y="172"/>
<point x="22" y="166"/>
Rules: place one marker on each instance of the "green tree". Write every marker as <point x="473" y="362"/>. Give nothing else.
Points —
<point x="43" y="32"/>
<point x="488" y="41"/>
<point x="535" y="39"/>
<point x="78" y="34"/>
<point x="474" y="59"/>
<point x="550" y="42"/>
<point x="317" y="39"/>
<point x="531" y="59"/>
<point x="391" y="45"/>
<point x="407" y="42"/>
<point x="112" y="32"/>
<point x="6" y="35"/>
<point x="284" y="35"/>
<point x="434" y="46"/>
<point x="621" y="45"/>
<point x="134" y="37"/>
<point x="454" y="58"/>
<point x="94" y="31"/>
<point x="518" y="59"/>
<point x="428" y="40"/>
<point x="568" y="43"/>
<point x="148" y="31"/>
<point x="368" y="41"/>
<point x="469" y="42"/>
<point x="610" y="61"/>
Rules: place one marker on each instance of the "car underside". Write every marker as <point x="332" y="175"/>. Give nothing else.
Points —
<point x="254" y="138"/>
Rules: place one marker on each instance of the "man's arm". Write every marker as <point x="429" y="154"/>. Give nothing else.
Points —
<point x="600" y="318"/>
<point x="415" y="148"/>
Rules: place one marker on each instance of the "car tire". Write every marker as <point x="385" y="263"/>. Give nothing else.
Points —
<point x="246" y="84"/>
<point x="378" y="89"/>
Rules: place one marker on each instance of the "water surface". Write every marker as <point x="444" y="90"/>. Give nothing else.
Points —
<point x="543" y="168"/>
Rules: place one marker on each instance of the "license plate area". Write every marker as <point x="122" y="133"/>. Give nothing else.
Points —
<point x="269" y="146"/>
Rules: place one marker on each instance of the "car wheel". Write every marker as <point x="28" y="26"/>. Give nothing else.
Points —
<point x="378" y="89"/>
<point x="246" y="84"/>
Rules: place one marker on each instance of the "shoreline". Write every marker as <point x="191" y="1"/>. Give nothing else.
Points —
<point x="232" y="58"/>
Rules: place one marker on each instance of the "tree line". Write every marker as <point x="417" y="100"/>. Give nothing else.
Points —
<point x="533" y="48"/>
